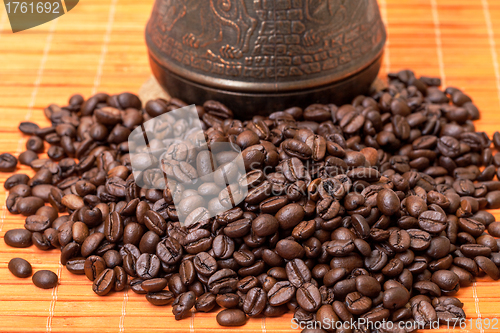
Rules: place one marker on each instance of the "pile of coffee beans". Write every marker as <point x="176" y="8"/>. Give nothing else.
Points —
<point x="371" y="210"/>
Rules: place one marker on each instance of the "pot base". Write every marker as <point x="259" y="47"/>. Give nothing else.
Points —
<point x="247" y="105"/>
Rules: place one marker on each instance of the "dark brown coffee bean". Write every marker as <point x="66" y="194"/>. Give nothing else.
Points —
<point x="281" y="293"/>
<point x="222" y="281"/>
<point x="20" y="268"/>
<point x="18" y="238"/>
<point x="154" y="285"/>
<point x="45" y="279"/>
<point x="28" y="127"/>
<point x="446" y="280"/>
<point x="113" y="227"/>
<point x="228" y="300"/>
<point x="357" y="304"/>
<point x="488" y="267"/>
<point x="231" y="317"/>
<point x="105" y="282"/>
<point x="93" y="267"/>
<point x="290" y="215"/>
<point x="368" y="286"/>
<point x="309" y="297"/>
<point x="206" y="302"/>
<point x="298" y="273"/>
<point x="8" y="162"/>
<point x="182" y="304"/>
<point x="432" y="221"/>
<point x="388" y="202"/>
<point x="289" y="249"/>
<point x="121" y="278"/>
<point x="148" y="266"/>
<point x="160" y="298"/>
<point x="29" y="205"/>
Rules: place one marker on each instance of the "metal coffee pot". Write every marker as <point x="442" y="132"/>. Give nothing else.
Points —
<point x="260" y="56"/>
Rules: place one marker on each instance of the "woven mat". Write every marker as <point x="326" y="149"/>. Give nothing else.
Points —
<point x="100" y="46"/>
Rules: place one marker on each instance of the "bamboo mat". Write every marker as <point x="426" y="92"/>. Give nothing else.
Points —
<point x="99" y="46"/>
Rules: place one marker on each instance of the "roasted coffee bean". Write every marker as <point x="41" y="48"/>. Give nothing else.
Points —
<point x="205" y="264"/>
<point x="281" y="293"/>
<point x="148" y="266"/>
<point x="228" y="300"/>
<point x="160" y="298"/>
<point x="182" y="304"/>
<point x="154" y="285"/>
<point x="255" y="302"/>
<point x="231" y="317"/>
<point x="222" y="281"/>
<point x="289" y="249"/>
<point x="20" y="268"/>
<point x="298" y="273"/>
<point x="265" y="225"/>
<point x="388" y="202"/>
<point x="76" y="265"/>
<point x="290" y="215"/>
<point x="206" y="302"/>
<point x="356" y="303"/>
<point x="28" y="127"/>
<point x="169" y="251"/>
<point x="432" y="221"/>
<point x="45" y="279"/>
<point x="309" y="297"/>
<point x="368" y="286"/>
<point x="29" y="205"/>
<point x="488" y="267"/>
<point x="8" y="162"/>
<point x="18" y="238"/>
<point x="446" y="280"/>
<point x="93" y="267"/>
<point x="113" y="227"/>
<point x="104" y="282"/>
<point x="37" y="223"/>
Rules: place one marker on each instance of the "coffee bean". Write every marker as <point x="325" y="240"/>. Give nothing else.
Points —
<point x="182" y="304"/>
<point x="281" y="293"/>
<point x="231" y="317"/>
<point x="290" y="215"/>
<point x="309" y="297"/>
<point x="160" y="298"/>
<point x="8" y="162"/>
<point x="255" y="302"/>
<point x="265" y="225"/>
<point x="28" y="127"/>
<point x="222" y="281"/>
<point x="154" y="285"/>
<point x="20" y="268"/>
<point x="289" y="249"/>
<point x="432" y="222"/>
<point x="93" y="267"/>
<point x="488" y="267"/>
<point x="45" y="279"/>
<point x="388" y="202"/>
<point x="104" y="282"/>
<point x="446" y="280"/>
<point x="228" y="300"/>
<point x="18" y="238"/>
<point x="76" y="265"/>
<point x="298" y="273"/>
<point x="356" y="303"/>
<point x="368" y="286"/>
<point x="148" y="266"/>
